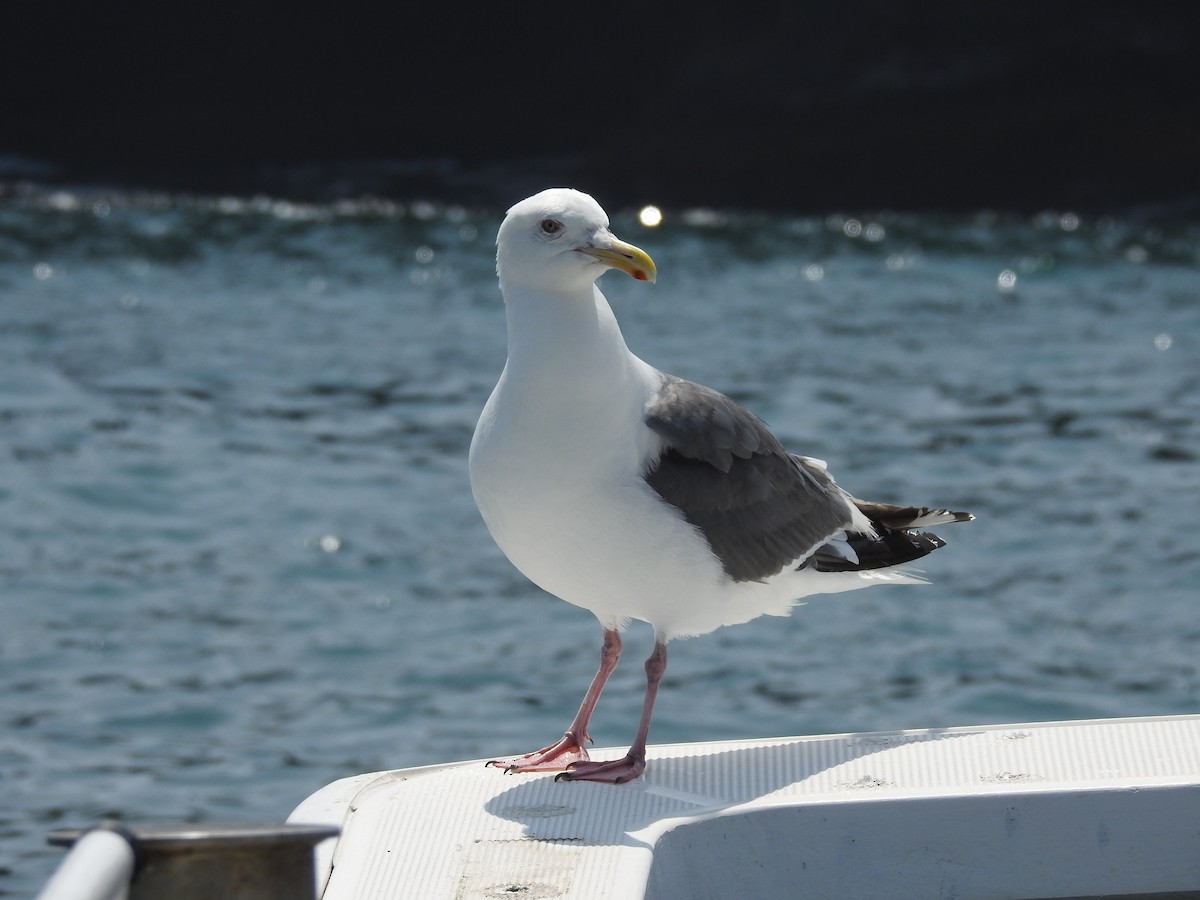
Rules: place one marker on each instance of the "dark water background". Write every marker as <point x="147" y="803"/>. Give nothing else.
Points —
<point x="239" y="556"/>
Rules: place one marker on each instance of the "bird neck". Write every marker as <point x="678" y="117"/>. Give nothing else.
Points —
<point x="556" y="339"/>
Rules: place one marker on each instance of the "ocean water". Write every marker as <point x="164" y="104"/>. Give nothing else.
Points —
<point x="239" y="556"/>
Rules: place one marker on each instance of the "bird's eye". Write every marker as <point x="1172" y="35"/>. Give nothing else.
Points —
<point x="550" y="227"/>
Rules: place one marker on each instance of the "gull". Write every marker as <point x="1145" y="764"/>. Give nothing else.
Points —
<point x="639" y="495"/>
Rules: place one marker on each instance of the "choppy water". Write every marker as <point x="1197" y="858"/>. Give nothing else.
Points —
<point x="239" y="556"/>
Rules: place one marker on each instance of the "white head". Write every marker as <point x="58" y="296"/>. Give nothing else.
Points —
<point x="559" y="241"/>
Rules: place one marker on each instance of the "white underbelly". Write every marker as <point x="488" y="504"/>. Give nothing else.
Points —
<point x="618" y="551"/>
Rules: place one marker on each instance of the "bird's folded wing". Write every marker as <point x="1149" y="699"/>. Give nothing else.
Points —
<point x="760" y="508"/>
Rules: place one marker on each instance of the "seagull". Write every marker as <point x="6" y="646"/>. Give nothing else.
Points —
<point x="636" y="494"/>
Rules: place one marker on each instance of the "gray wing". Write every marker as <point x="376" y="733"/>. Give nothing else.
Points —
<point x="759" y="507"/>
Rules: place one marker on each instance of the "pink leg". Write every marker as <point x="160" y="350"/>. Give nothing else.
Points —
<point x="633" y="763"/>
<point x="569" y="749"/>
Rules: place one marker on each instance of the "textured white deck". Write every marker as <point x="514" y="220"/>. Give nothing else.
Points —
<point x="1065" y="809"/>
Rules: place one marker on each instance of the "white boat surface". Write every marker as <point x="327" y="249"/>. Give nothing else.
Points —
<point x="1101" y="808"/>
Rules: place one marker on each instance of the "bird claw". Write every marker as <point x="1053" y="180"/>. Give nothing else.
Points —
<point x="504" y="765"/>
<point x="557" y="757"/>
<point x="618" y="771"/>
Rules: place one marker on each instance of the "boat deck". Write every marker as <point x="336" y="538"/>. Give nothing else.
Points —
<point x="1061" y="809"/>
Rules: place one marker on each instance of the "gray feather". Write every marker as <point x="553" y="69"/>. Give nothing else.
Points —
<point x="759" y="507"/>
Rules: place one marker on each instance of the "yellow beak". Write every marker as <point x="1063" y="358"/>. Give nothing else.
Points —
<point x="617" y="254"/>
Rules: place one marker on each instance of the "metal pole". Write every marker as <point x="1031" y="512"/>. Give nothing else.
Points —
<point x="99" y="867"/>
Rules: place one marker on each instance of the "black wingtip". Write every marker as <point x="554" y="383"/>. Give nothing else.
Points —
<point x="891" y="548"/>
